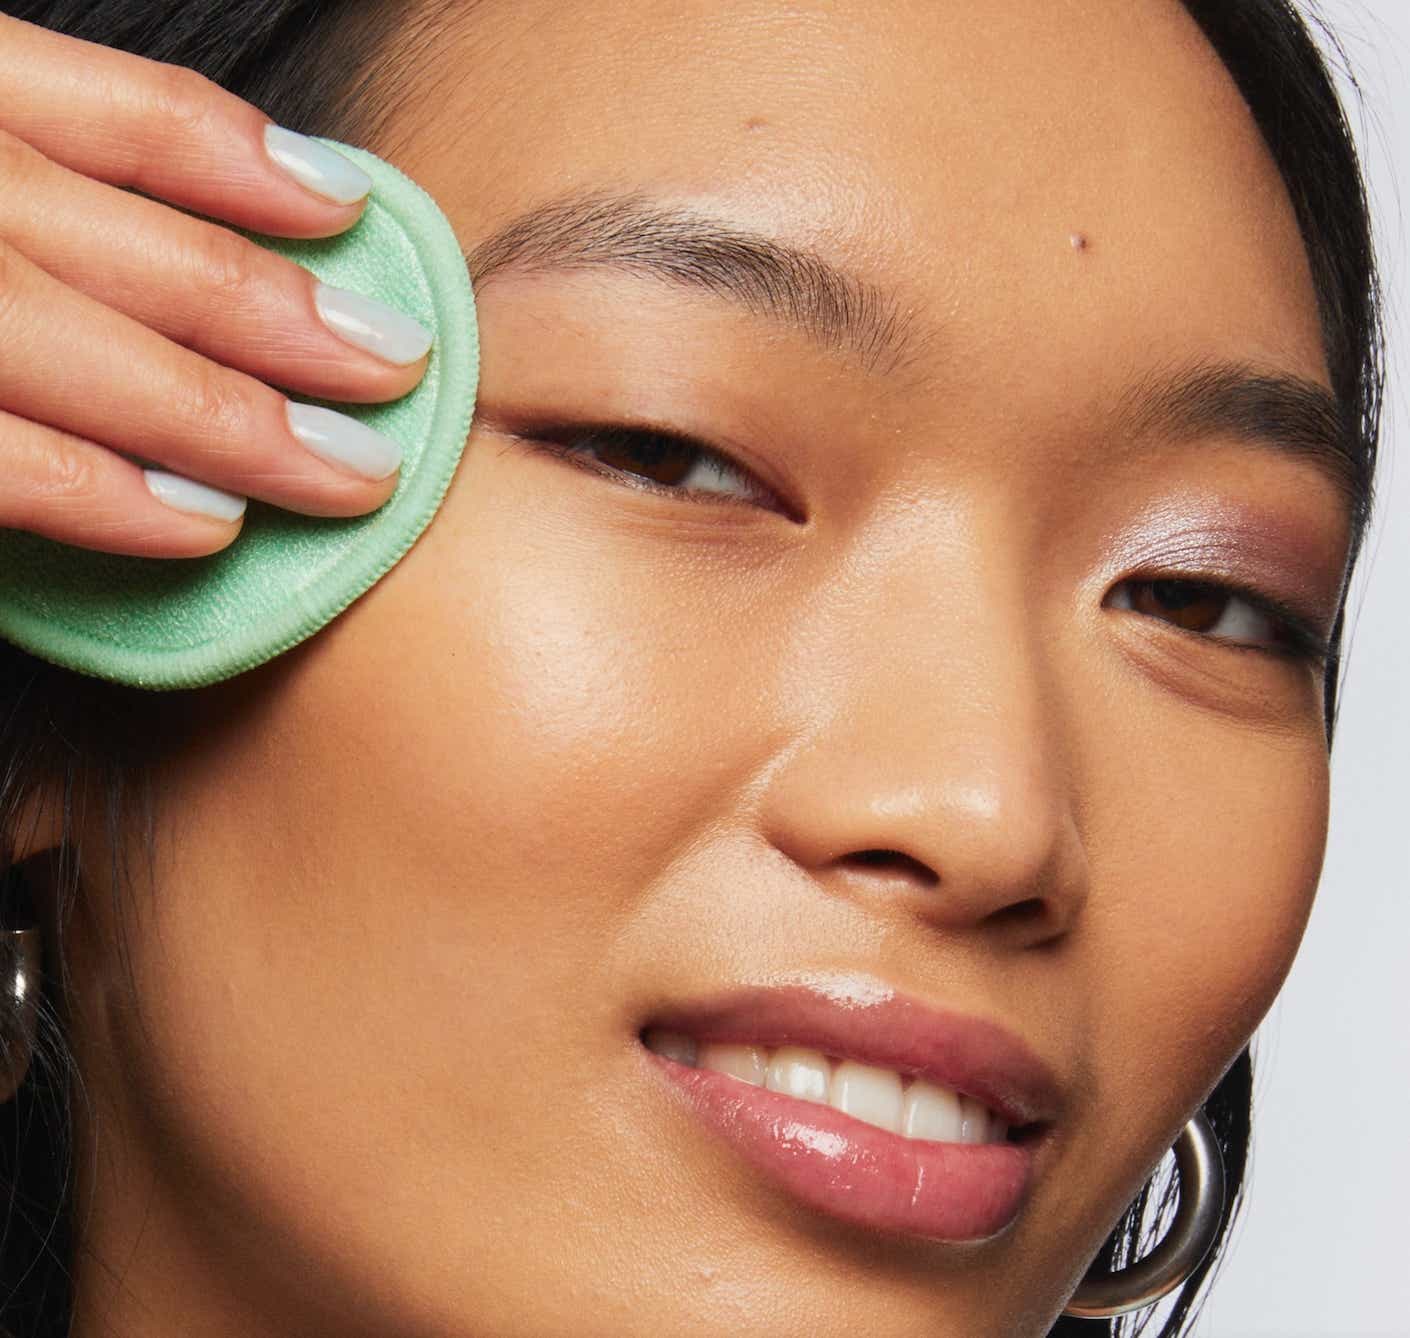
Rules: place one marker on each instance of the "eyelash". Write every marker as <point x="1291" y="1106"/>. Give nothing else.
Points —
<point x="568" y="443"/>
<point x="1298" y="637"/>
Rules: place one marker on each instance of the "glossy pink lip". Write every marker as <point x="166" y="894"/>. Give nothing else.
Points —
<point x="841" y="1165"/>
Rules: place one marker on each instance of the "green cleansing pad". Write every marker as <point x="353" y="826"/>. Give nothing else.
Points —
<point x="186" y="622"/>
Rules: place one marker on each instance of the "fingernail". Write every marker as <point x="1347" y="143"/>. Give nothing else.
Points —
<point x="185" y="494"/>
<point x="372" y="325"/>
<point x="343" y="441"/>
<point x="321" y="169"/>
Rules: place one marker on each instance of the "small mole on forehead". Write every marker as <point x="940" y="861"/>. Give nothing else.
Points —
<point x="1079" y="241"/>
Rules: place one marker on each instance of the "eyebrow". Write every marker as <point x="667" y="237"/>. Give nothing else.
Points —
<point x="635" y="233"/>
<point x="1289" y="414"/>
<point x="784" y="283"/>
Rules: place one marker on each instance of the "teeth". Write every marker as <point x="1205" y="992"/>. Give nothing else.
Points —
<point x="747" y="1062"/>
<point x="797" y="1072"/>
<point x="974" y="1121"/>
<point x="869" y="1094"/>
<point x="913" y="1108"/>
<point x="931" y="1112"/>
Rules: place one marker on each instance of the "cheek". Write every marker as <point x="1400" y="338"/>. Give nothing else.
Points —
<point x="1225" y="862"/>
<point x="1203" y="879"/>
<point x="546" y="736"/>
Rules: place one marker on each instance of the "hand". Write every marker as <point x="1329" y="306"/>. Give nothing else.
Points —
<point x="129" y="329"/>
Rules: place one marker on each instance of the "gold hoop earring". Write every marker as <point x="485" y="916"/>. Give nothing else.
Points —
<point x="1200" y="1165"/>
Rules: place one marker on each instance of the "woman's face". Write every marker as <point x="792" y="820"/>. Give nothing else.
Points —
<point x="866" y="698"/>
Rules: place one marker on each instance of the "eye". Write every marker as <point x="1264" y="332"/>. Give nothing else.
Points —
<point x="1245" y="619"/>
<point x="654" y="459"/>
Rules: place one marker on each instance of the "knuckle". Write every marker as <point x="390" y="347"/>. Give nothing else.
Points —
<point x="219" y="407"/>
<point x="228" y="266"/>
<point x="185" y="102"/>
<point x="65" y="472"/>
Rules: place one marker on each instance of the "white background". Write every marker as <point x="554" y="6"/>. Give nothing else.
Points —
<point x="1323" y="1250"/>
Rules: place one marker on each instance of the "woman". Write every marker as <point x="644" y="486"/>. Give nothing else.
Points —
<point x="828" y="801"/>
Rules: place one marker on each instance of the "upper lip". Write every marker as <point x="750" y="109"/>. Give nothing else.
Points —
<point x="879" y="1026"/>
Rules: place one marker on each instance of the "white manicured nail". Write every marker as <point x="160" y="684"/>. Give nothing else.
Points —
<point x="321" y="169"/>
<point x="372" y="325"/>
<point x="343" y="441"/>
<point x="187" y="495"/>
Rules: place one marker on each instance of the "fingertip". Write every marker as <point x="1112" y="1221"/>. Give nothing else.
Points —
<point x="220" y="535"/>
<point x="343" y="217"/>
<point x="312" y="222"/>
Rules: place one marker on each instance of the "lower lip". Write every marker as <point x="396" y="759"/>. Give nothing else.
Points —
<point x="855" y="1171"/>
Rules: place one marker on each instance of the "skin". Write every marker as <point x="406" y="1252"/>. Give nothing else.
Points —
<point x="588" y="750"/>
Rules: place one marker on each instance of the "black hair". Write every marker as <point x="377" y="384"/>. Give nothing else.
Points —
<point x="312" y="65"/>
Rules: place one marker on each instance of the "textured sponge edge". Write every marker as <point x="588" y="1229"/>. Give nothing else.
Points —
<point x="362" y="549"/>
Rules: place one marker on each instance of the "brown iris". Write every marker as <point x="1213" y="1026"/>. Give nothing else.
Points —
<point x="1195" y="605"/>
<point x="656" y="456"/>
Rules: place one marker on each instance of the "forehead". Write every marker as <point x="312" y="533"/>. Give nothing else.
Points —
<point x="951" y="150"/>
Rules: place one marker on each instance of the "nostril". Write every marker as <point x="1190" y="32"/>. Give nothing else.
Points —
<point x="895" y="859"/>
<point x="1030" y="908"/>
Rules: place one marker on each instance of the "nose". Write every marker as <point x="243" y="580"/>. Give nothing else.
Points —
<point x="934" y="777"/>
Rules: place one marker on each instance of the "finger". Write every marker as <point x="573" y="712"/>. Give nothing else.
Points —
<point x="171" y="133"/>
<point x="204" y="286"/>
<point x="76" y="492"/>
<point x="77" y="365"/>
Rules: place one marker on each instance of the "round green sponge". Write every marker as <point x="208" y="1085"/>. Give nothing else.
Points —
<point x="167" y="623"/>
